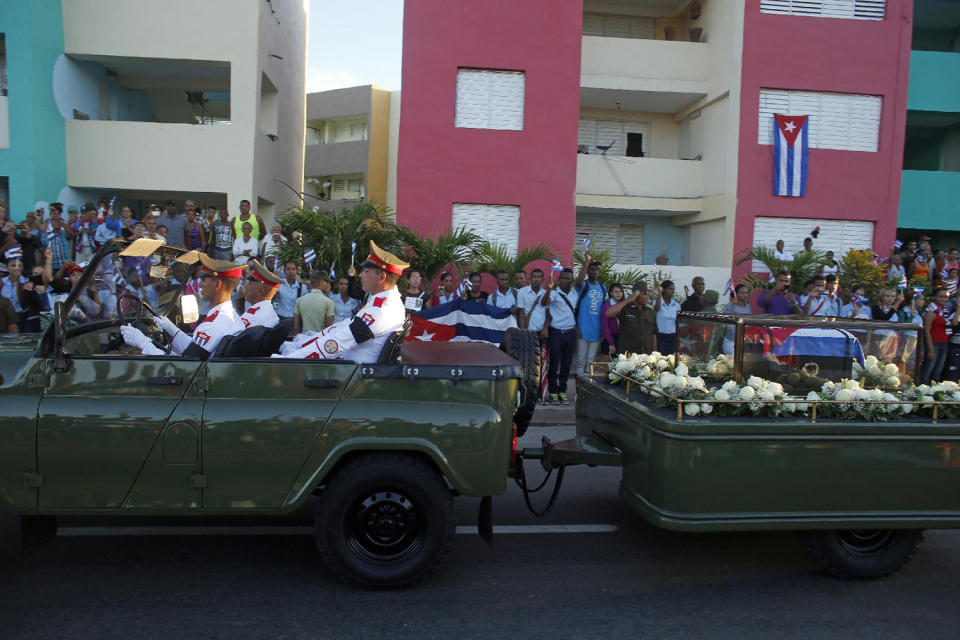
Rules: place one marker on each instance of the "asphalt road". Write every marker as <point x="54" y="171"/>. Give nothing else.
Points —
<point x="634" y="582"/>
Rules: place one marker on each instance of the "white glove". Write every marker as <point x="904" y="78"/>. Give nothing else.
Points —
<point x="166" y="324"/>
<point x="135" y="338"/>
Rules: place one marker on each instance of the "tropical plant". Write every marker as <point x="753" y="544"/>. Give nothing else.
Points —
<point x="493" y="257"/>
<point x="857" y="268"/>
<point x="804" y="266"/>
<point x="331" y="234"/>
<point x="609" y="275"/>
<point x="430" y="255"/>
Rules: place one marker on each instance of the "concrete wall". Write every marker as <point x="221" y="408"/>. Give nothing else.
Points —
<point x="339" y="158"/>
<point x="652" y="177"/>
<point x="612" y="63"/>
<point x="339" y="103"/>
<point x="535" y="168"/>
<point x="817" y="54"/>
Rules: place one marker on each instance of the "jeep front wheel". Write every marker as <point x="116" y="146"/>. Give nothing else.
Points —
<point x="385" y="520"/>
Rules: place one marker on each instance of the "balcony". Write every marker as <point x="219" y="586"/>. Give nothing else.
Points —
<point x="928" y="200"/>
<point x="928" y="89"/>
<point x="153" y="156"/>
<point x="616" y="182"/>
<point x="337" y="158"/>
<point x="642" y="75"/>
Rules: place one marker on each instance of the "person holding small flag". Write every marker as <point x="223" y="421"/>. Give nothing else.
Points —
<point x="739" y="305"/>
<point x="859" y="305"/>
<point x="590" y="298"/>
<point x="19" y="290"/>
<point x="561" y="325"/>
<point x="445" y="291"/>
<point x="55" y="238"/>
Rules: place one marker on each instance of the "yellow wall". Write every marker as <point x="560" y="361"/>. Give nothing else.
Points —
<point x="379" y="145"/>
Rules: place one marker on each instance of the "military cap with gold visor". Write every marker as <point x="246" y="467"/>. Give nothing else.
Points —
<point x="385" y="260"/>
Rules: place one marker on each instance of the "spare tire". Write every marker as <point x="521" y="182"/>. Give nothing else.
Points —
<point x="524" y="346"/>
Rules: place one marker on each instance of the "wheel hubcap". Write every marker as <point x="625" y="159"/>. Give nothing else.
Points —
<point x="865" y="542"/>
<point x="385" y="528"/>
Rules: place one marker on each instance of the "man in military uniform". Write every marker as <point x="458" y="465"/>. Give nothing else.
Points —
<point x="638" y="321"/>
<point x="361" y="337"/>
<point x="259" y="287"/>
<point x="218" y="279"/>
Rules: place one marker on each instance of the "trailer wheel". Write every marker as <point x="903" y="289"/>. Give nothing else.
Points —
<point x="524" y="346"/>
<point x="384" y="520"/>
<point x="862" y="554"/>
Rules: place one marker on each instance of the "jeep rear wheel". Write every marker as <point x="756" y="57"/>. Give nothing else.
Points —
<point x="385" y="520"/>
<point x="862" y="554"/>
<point x="524" y="346"/>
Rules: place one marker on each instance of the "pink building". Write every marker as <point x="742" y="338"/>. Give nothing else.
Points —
<point x="646" y="125"/>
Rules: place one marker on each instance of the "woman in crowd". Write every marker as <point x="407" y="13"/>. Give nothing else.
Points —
<point x="246" y="246"/>
<point x="127" y="222"/>
<point x="610" y="326"/>
<point x="885" y="341"/>
<point x="857" y="307"/>
<point x="445" y="292"/>
<point x="936" y="324"/>
<point x="475" y="293"/>
<point x="414" y="299"/>
<point x="196" y="238"/>
<point x="25" y="294"/>
<point x="344" y="306"/>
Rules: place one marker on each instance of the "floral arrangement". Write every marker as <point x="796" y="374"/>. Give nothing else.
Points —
<point x="875" y="393"/>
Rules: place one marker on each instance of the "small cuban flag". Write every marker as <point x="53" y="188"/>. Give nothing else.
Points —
<point x="556" y="265"/>
<point x="917" y="292"/>
<point x="119" y="280"/>
<point x="897" y="244"/>
<point x="791" y="152"/>
<point x="309" y="256"/>
<point x="333" y="274"/>
<point x="855" y="299"/>
<point x="728" y="290"/>
<point x="903" y="283"/>
<point x="16" y="253"/>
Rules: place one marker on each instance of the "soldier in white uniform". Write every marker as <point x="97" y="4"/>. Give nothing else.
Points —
<point x="259" y="287"/>
<point x="218" y="279"/>
<point x="361" y="337"/>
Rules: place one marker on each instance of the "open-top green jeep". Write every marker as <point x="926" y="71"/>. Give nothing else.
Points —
<point x="91" y="427"/>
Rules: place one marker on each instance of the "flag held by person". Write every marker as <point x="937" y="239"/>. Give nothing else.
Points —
<point x="461" y="321"/>
<point x="791" y="152"/>
<point x="16" y="253"/>
<point x="309" y="256"/>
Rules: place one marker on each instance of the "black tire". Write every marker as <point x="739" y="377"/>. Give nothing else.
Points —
<point x="524" y="346"/>
<point x="384" y="520"/>
<point x="862" y="554"/>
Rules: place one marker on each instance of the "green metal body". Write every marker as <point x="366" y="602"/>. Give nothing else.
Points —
<point x="716" y="474"/>
<point x="168" y="435"/>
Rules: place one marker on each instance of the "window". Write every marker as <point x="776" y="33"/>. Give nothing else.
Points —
<point x="616" y="26"/>
<point x="269" y="107"/>
<point x="345" y="187"/>
<point x="496" y="223"/>
<point x="838" y="236"/>
<point x="488" y="99"/>
<point x="623" y="241"/>
<point x="627" y="138"/>
<point x="853" y="9"/>
<point x="845" y="121"/>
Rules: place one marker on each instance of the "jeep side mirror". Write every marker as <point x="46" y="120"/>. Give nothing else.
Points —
<point x="189" y="309"/>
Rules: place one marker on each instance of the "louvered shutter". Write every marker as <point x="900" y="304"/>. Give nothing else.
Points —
<point x="594" y="133"/>
<point x="623" y="241"/>
<point x="616" y="26"/>
<point x="849" y="9"/>
<point x="592" y="24"/>
<point x="844" y="121"/>
<point x="495" y="223"/>
<point x="488" y="99"/>
<point x="838" y="236"/>
<point x="643" y="28"/>
<point x="630" y="244"/>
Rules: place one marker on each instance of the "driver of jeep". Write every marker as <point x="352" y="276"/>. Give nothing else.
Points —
<point x="361" y="337"/>
<point x="218" y="279"/>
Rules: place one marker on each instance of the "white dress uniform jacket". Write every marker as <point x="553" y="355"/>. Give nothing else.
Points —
<point x="359" y="338"/>
<point x="221" y="321"/>
<point x="261" y="314"/>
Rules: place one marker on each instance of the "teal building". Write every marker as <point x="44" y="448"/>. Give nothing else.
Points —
<point x="930" y="188"/>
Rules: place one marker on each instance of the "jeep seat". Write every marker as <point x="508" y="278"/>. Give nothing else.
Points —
<point x="255" y="342"/>
<point x="391" y="348"/>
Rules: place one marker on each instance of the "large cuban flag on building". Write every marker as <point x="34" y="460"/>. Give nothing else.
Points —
<point x="461" y="321"/>
<point x="790" y="154"/>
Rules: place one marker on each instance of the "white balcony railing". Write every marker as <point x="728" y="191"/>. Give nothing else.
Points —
<point x="644" y="65"/>
<point x="639" y="177"/>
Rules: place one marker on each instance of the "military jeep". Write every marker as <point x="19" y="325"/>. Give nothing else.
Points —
<point x="90" y="427"/>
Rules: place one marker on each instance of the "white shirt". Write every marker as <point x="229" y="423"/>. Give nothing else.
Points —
<point x="383" y="314"/>
<point x="784" y="255"/>
<point x="261" y="314"/>
<point x="529" y="301"/>
<point x="239" y="246"/>
<point x="268" y="247"/>
<point x="561" y="314"/>
<point x="667" y="316"/>
<point x="503" y="300"/>
<point x="221" y="321"/>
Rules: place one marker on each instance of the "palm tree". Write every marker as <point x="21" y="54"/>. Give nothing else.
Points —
<point x="430" y="255"/>
<point x="804" y="266"/>
<point x="493" y="257"/>
<point x="609" y="275"/>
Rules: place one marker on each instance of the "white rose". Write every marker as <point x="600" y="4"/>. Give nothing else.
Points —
<point x="706" y="408"/>
<point x="856" y="367"/>
<point x="906" y="407"/>
<point x="691" y="408"/>
<point x="851" y="384"/>
<point x="666" y="379"/>
<point x="845" y="395"/>
<point x="876" y="394"/>
<point x="767" y="396"/>
<point x="923" y="389"/>
<point x="871" y="361"/>
<point x="747" y="393"/>
<point x="755" y="382"/>
<point x="662" y="364"/>
<point x="860" y="394"/>
<point x="776" y="387"/>
<point x="813" y="395"/>
<point x="789" y="407"/>
<point x="624" y="367"/>
<point x="874" y="371"/>
<point x="828" y="387"/>
<point x="712" y="368"/>
<point x="891" y="370"/>
<point x="655" y="354"/>
<point x="926" y="399"/>
<point x="950" y="386"/>
<point x="730" y="386"/>
<point x="679" y="382"/>
<point x="892" y="381"/>
<point x="644" y="372"/>
<point x="698" y="383"/>
<point x="721" y="394"/>
<point x="681" y="370"/>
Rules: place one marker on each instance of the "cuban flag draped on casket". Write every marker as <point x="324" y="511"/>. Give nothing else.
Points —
<point x="790" y="154"/>
<point x="826" y="343"/>
<point x="461" y="321"/>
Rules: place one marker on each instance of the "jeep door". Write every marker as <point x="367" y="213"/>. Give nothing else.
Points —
<point x="261" y="419"/>
<point x="100" y="420"/>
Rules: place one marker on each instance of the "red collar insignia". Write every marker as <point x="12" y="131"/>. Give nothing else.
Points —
<point x="378" y="302"/>
<point x="212" y="316"/>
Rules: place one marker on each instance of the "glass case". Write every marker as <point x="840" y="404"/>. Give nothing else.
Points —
<point x="799" y="352"/>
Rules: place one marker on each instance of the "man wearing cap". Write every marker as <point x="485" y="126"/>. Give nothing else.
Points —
<point x="361" y="337"/>
<point x="218" y="279"/>
<point x="314" y="312"/>
<point x="259" y="287"/>
<point x="638" y="321"/>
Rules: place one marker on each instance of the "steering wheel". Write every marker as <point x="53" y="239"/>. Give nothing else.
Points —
<point x="156" y="335"/>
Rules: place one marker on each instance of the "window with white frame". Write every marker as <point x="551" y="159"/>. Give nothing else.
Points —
<point x="611" y="25"/>
<point x="850" y="9"/>
<point x="838" y="236"/>
<point x="845" y="121"/>
<point x="623" y="138"/>
<point x="495" y="223"/>
<point x="623" y="241"/>
<point x="345" y="187"/>
<point x="489" y="99"/>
